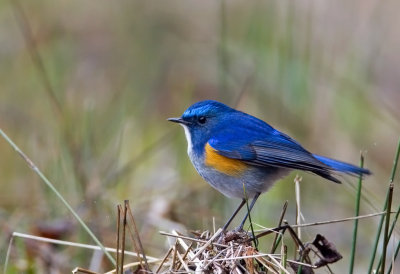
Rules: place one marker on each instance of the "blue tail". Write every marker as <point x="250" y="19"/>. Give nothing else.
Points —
<point x="342" y="167"/>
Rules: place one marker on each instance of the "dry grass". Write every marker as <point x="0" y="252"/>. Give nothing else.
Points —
<point x="223" y="252"/>
<point x="210" y="252"/>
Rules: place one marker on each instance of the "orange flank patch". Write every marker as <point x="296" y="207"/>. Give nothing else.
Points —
<point x="223" y="164"/>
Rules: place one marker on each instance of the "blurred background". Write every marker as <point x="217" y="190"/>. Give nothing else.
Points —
<point x="86" y="87"/>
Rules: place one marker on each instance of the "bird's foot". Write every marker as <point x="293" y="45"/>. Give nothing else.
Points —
<point x="238" y="229"/>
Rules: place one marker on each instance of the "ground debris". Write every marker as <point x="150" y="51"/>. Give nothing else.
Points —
<point x="325" y="251"/>
<point x="328" y="251"/>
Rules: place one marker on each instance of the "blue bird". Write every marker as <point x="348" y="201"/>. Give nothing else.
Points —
<point x="234" y="151"/>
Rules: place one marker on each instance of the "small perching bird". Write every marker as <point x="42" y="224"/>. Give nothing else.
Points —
<point x="234" y="151"/>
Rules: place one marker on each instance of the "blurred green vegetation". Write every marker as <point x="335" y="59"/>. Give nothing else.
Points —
<point x="326" y="73"/>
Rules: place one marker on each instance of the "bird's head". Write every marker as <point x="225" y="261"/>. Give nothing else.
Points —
<point x="201" y="120"/>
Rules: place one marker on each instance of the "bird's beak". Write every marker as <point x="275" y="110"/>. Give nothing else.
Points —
<point x="178" y="120"/>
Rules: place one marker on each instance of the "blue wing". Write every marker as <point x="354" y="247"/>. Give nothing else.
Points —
<point x="261" y="146"/>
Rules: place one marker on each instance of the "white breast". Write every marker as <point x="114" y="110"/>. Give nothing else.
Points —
<point x="188" y="139"/>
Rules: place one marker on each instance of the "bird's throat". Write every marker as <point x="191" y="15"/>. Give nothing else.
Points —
<point x="188" y="139"/>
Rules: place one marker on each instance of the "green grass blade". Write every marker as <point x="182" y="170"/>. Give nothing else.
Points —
<point x="357" y="213"/>
<point x="250" y="221"/>
<point x="278" y="236"/>
<point x="386" y="231"/>
<point x="300" y="269"/>
<point x="58" y="194"/>
<point x="8" y="254"/>
<point x="277" y="243"/>
<point x="390" y="234"/>
<point x="284" y="258"/>
<point x="394" y="258"/>
<point x="378" y="233"/>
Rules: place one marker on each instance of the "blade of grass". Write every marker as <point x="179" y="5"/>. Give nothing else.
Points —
<point x="394" y="258"/>
<point x="378" y="233"/>
<point x="385" y="234"/>
<point x="299" y="245"/>
<point x="82" y="270"/>
<point x="278" y="236"/>
<point x="118" y="240"/>
<point x="278" y="240"/>
<point x="163" y="260"/>
<point x="172" y="267"/>
<point x="140" y="245"/>
<point x="58" y="194"/>
<point x="355" y="229"/>
<point x="297" y="181"/>
<point x="248" y="213"/>
<point x="27" y="32"/>
<point x="8" y="254"/>
<point x="124" y="211"/>
<point x="390" y="234"/>
<point x="267" y="231"/>
<point x="284" y="257"/>
<point x="74" y="244"/>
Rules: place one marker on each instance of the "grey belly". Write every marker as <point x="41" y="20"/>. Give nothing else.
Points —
<point x="253" y="181"/>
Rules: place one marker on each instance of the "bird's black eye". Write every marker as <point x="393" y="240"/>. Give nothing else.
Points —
<point x="202" y="119"/>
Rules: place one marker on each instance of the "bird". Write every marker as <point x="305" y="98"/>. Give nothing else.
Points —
<point x="242" y="156"/>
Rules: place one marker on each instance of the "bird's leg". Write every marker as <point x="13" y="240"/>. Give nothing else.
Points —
<point x="240" y="227"/>
<point x="233" y="215"/>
